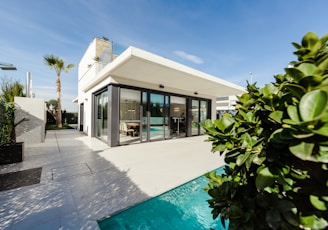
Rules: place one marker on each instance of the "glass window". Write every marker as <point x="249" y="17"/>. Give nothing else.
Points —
<point x="178" y="117"/>
<point x="101" y="107"/>
<point x="129" y="116"/>
<point x="148" y="116"/>
<point x="157" y="126"/>
<point x="194" y="117"/>
<point x="203" y="113"/>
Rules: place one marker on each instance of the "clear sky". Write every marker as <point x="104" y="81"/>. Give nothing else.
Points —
<point x="225" y="38"/>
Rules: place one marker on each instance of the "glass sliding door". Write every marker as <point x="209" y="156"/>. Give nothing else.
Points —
<point x="147" y="115"/>
<point x="157" y="115"/>
<point x="130" y="116"/>
<point x="178" y="117"/>
<point x="166" y="114"/>
<point x="101" y="112"/>
<point x="145" y="118"/>
<point x="199" y="115"/>
<point x="203" y="114"/>
<point x="194" y="117"/>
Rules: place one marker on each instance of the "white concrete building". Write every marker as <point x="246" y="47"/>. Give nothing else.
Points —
<point x="226" y="105"/>
<point x="138" y="96"/>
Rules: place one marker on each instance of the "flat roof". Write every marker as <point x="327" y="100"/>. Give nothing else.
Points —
<point x="138" y="65"/>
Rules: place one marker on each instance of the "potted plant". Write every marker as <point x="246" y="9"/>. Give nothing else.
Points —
<point x="10" y="150"/>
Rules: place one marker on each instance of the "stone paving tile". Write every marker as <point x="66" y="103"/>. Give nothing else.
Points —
<point x="25" y="208"/>
<point x="60" y="173"/>
<point x="83" y="180"/>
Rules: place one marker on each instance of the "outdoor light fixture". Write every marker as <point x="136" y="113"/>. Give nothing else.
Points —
<point x="5" y="66"/>
<point x="161" y="86"/>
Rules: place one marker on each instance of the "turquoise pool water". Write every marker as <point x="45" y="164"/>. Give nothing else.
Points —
<point x="184" y="207"/>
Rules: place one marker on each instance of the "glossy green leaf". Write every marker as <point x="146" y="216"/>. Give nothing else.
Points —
<point x="242" y="158"/>
<point x="322" y="67"/>
<point x="281" y="136"/>
<point x="296" y="45"/>
<point x="310" y="82"/>
<point x="264" y="178"/>
<point x="307" y="68"/>
<point x="302" y="150"/>
<point x="269" y="89"/>
<point x="225" y="122"/>
<point x="302" y="52"/>
<point x="313" y="222"/>
<point x="295" y="74"/>
<point x="300" y="135"/>
<point x="323" y="130"/>
<point x="249" y="160"/>
<point x="276" y="116"/>
<point x="297" y="90"/>
<point x="259" y="160"/>
<point x="313" y="104"/>
<point x="317" y="203"/>
<point x="219" y="148"/>
<point x="207" y="123"/>
<point x="293" y="113"/>
<point x="247" y="141"/>
<point x="325" y="79"/>
<point x="323" y="157"/>
<point x="310" y="39"/>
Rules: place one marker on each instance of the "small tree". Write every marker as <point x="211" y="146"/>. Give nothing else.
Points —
<point x="10" y="89"/>
<point x="52" y="102"/>
<point x="276" y="148"/>
<point x="59" y="65"/>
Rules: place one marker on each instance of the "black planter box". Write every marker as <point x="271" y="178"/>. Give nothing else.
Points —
<point x="11" y="153"/>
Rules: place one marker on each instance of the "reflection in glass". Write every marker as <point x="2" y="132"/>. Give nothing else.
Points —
<point x="101" y="112"/>
<point x="166" y="113"/>
<point x="177" y="117"/>
<point x="129" y="116"/>
<point x="157" y="127"/>
<point x="203" y="114"/>
<point x="148" y="116"/>
<point x="145" y="118"/>
<point x="194" y="117"/>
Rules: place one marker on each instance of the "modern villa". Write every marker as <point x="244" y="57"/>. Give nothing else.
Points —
<point x="138" y="96"/>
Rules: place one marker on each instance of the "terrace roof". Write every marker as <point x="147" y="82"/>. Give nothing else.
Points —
<point x="136" y="65"/>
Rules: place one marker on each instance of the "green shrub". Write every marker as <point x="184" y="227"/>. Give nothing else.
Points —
<point x="7" y="122"/>
<point x="276" y="149"/>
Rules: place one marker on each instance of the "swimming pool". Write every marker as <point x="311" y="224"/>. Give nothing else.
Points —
<point x="184" y="207"/>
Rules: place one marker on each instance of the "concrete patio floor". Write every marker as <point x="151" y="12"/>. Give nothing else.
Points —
<point x="84" y="180"/>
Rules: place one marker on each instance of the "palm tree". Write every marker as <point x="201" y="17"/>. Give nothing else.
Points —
<point x="59" y="65"/>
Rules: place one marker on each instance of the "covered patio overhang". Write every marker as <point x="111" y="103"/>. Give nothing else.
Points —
<point x="136" y="65"/>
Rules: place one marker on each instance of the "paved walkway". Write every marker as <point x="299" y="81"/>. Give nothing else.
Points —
<point x="83" y="180"/>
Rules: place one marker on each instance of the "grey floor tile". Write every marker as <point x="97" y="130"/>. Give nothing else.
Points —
<point x="70" y="171"/>
<point x="30" y="206"/>
<point x="80" y="182"/>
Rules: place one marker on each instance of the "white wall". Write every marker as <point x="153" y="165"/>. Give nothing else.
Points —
<point x="88" y="69"/>
<point x="32" y="130"/>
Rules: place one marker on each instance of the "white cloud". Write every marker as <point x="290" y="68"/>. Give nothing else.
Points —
<point x="189" y="57"/>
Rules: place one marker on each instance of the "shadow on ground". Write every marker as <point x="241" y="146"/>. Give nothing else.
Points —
<point x="78" y="187"/>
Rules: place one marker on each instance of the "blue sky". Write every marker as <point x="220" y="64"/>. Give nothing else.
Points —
<point x="225" y="38"/>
